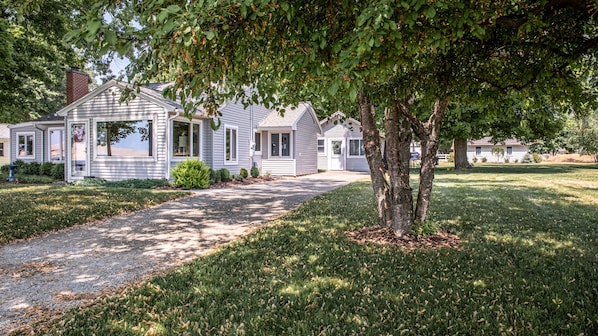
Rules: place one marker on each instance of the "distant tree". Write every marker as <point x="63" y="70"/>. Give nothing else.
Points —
<point x="583" y="136"/>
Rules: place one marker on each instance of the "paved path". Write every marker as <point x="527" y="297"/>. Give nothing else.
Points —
<point x="45" y="276"/>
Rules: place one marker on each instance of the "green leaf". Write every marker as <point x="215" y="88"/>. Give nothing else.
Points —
<point x="333" y="89"/>
<point x="353" y="93"/>
<point x="430" y="12"/>
<point x="173" y="9"/>
<point x="213" y="124"/>
<point x="110" y="36"/>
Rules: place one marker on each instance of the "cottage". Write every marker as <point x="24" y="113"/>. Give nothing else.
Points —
<point x="340" y="146"/>
<point x="510" y="150"/>
<point x="96" y="135"/>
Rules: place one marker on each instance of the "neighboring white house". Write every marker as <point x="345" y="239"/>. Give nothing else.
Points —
<point x="512" y="150"/>
<point x="4" y="144"/>
<point x="98" y="136"/>
<point x="340" y="145"/>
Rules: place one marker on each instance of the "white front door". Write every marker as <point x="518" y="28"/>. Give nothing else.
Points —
<point x="78" y="163"/>
<point x="336" y="158"/>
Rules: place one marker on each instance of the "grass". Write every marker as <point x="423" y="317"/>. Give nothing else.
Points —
<point x="30" y="210"/>
<point x="527" y="266"/>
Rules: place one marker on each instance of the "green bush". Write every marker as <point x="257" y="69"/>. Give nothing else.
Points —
<point x="215" y="176"/>
<point x="91" y="182"/>
<point x="484" y="159"/>
<point x="474" y="160"/>
<point x="4" y="169"/>
<point x="31" y="168"/>
<point x="424" y="229"/>
<point x="46" y="169"/>
<point x="191" y="174"/>
<point x="224" y="175"/>
<point x="506" y="160"/>
<point x="537" y="158"/>
<point x="243" y="173"/>
<point x="36" y="179"/>
<point x="58" y="171"/>
<point x="255" y="172"/>
<point x="239" y="178"/>
<point x="527" y="159"/>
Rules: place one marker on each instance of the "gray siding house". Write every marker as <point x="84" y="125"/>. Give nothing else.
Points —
<point x="340" y="145"/>
<point x="99" y="136"/>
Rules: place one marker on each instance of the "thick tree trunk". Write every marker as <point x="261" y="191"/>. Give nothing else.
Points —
<point x="460" y="150"/>
<point x="398" y="140"/>
<point x="373" y="152"/>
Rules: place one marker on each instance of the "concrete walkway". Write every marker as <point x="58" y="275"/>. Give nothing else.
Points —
<point x="45" y="276"/>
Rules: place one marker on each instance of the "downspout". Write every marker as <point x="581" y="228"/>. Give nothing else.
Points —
<point x="252" y="137"/>
<point x="177" y="113"/>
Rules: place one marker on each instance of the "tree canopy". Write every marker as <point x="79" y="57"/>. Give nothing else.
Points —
<point x="398" y="63"/>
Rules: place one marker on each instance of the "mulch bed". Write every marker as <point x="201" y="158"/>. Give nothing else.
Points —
<point x="386" y="236"/>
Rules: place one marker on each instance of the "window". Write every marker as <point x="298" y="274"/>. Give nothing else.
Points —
<point x="509" y="150"/>
<point x="258" y="142"/>
<point x="186" y="139"/>
<point x="230" y="149"/>
<point x="478" y="151"/>
<point x="56" y="148"/>
<point x="321" y="146"/>
<point x="132" y="138"/>
<point x="356" y="147"/>
<point x="26" y="145"/>
<point x="280" y="144"/>
<point x="1" y="148"/>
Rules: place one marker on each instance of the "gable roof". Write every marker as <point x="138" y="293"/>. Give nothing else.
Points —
<point x="290" y="119"/>
<point x="338" y="115"/>
<point x="144" y="93"/>
<point x="487" y="141"/>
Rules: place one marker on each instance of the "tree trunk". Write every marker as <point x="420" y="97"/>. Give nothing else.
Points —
<point x="373" y="151"/>
<point x="398" y="140"/>
<point x="429" y="135"/>
<point x="460" y="150"/>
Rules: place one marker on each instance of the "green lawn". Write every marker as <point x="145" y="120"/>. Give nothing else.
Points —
<point x="30" y="210"/>
<point x="527" y="265"/>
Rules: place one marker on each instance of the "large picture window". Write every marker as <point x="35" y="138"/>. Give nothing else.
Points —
<point x="356" y="147"/>
<point x="280" y="144"/>
<point x="124" y="138"/>
<point x="56" y="142"/>
<point x="186" y="139"/>
<point x="26" y="145"/>
<point x="231" y="145"/>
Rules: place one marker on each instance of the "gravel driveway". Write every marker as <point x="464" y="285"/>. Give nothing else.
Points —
<point x="43" y="277"/>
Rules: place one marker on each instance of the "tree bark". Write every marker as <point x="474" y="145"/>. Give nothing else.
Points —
<point x="460" y="150"/>
<point x="373" y="152"/>
<point x="398" y="140"/>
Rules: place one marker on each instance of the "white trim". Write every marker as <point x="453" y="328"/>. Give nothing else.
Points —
<point x="342" y="156"/>
<point x="318" y="145"/>
<point x="291" y="142"/>
<point x="25" y="134"/>
<point x="349" y="148"/>
<point x="69" y="153"/>
<point x="193" y="142"/>
<point x="97" y="157"/>
<point x="236" y="161"/>
<point x="49" y="143"/>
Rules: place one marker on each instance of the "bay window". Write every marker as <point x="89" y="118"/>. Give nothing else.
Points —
<point x="280" y="144"/>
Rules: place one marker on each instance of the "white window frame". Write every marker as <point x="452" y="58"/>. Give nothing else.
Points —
<point x="50" y="129"/>
<point x="236" y="160"/>
<point x="318" y="146"/>
<point x="280" y="133"/>
<point x="25" y="134"/>
<point x="123" y="158"/>
<point x="192" y="140"/>
<point x="349" y="148"/>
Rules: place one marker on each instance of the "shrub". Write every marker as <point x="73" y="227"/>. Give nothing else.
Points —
<point x="255" y="172"/>
<point x="475" y="160"/>
<point x="243" y="173"/>
<point x="239" y="178"/>
<point x="424" y="229"/>
<point x="484" y="159"/>
<point x="506" y="160"/>
<point x="4" y="169"/>
<point x="537" y="158"/>
<point x="527" y="159"/>
<point x="31" y="168"/>
<point x="46" y="169"/>
<point x="37" y="179"/>
<point x="515" y="161"/>
<point x="224" y="175"/>
<point x="215" y="176"/>
<point x="57" y="171"/>
<point x="191" y="174"/>
<point x="91" y="182"/>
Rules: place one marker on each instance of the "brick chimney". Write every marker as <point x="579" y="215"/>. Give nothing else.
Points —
<point x="77" y="84"/>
